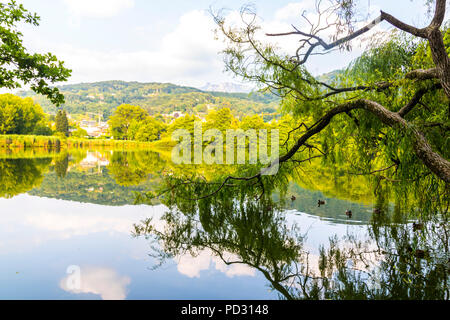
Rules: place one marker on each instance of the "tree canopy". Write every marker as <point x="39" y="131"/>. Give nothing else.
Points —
<point x="148" y="129"/>
<point x="19" y="115"/>
<point x="123" y="117"/>
<point x="62" y="123"/>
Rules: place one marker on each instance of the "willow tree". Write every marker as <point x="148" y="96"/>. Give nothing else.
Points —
<point x="387" y="113"/>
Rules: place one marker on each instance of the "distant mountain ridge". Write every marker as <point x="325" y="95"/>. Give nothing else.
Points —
<point x="226" y="87"/>
<point x="163" y="98"/>
<point x="331" y="77"/>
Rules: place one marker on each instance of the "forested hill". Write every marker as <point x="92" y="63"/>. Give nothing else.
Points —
<point x="331" y="77"/>
<point x="104" y="97"/>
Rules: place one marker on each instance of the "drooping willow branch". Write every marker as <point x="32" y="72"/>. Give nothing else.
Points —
<point x="431" y="159"/>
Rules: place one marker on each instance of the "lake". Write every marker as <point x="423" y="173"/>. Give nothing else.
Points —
<point x="68" y="214"/>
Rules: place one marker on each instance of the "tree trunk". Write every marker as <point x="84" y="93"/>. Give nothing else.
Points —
<point x="434" y="161"/>
<point x="440" y="58"/>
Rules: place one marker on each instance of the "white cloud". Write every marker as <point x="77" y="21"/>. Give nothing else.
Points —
<point x="294" y="10"/>
<point x="42" y="221"/>
<point x="98" y="8"/>
<point x="27" y="222"/>
<point x="74" y="224"/>
<point x="234" y="269"/>
<point x="104" y="282"/>
<point x="187" y="55"/>
<point x="193" y="38"/>
<point x="192" y="266"/>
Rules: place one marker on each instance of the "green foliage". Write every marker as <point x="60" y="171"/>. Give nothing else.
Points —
<point x="28" y="141"/>
<point x="357" y="141"/>
<point x="135" y="168"/>
<point x="252" y="122"/>
<point x="21" y="175"/>
<point x="187" y="122"/>
<point x="221" y="119"/>
<point x="148" y="129"/>
<point x="42" y="130"/>
<point x="155" y="98"/>
<point x="62" y="123"/>
<point x="61" y="165"/>
<point x="17" y="65"/>
<point x="18" y="115"/>
<point x="122" y="119"/>
<point x="80" y="133"/>
<point x="254" y="227"/>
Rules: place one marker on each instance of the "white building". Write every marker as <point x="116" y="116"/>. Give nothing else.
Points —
<point x="94" y="128"/>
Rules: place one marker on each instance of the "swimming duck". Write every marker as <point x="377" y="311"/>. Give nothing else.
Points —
<point x="293" y="198"/>
<point x="417" y="226"/>
<point x="417" y="253"/>
<point x="320" y="203"/>
<point x="349" y="214"/>
<point x="420" y="254"/>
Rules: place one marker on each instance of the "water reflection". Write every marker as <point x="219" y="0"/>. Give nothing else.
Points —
<point x="104" y="282"/>
<point x="113" y="177"/>
<point x="108" y="178"/>
<point x="21" y="175"/>
<point x="274" y="230"/>
<point x="246" y="223"/>
<point x="391" y="261"/>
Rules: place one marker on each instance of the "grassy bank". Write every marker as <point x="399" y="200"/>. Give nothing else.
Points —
<point x="29" y="153"/>
<point x="163" y="145"/>
<point x="52" y="142"/>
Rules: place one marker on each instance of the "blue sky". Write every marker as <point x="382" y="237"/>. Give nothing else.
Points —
<point x="168" y="41"/>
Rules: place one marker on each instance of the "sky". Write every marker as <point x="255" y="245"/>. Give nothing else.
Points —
<point x="172" y="41"/>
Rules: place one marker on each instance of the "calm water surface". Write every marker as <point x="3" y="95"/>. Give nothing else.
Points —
<point x="58" y="211"/>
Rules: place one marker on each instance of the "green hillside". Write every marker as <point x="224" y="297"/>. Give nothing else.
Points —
<point x="104" y="97"/>
<point x="331" y="77"/>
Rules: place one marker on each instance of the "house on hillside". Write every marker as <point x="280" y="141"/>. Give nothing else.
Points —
<point x="173" y="115"/>
<point x="94" y="129"/>
<point x="93" y="160"/>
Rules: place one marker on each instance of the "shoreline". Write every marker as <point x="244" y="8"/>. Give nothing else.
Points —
<point x="11" y="142"/>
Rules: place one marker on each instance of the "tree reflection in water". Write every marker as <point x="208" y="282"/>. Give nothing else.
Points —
<point x="395" y="261"/>
<point x="248" y="222"/>
<point x="18" y="176"/>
